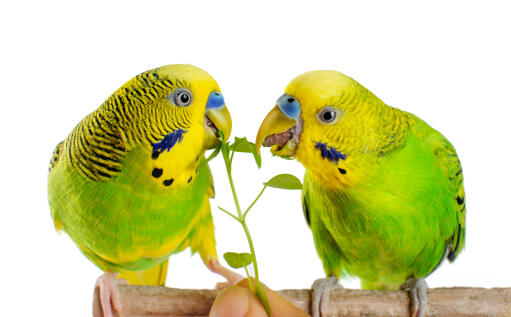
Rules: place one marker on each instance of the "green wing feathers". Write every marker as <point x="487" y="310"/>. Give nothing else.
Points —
<point x="403" y="220"/>
<point x="451" y="167"/>
<point x="305" y="208"/>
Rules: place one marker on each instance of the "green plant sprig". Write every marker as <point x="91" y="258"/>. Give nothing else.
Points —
<point x="283" y="181"/>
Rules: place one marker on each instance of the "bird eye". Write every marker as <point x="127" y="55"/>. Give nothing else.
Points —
<point x="182" y="97"/>
<point x="328" y="115"/>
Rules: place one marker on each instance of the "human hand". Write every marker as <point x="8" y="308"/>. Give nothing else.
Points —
<point x="238" y="301"/>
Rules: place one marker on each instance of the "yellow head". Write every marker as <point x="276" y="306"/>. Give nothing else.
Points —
<point x="163" y="100"/>
<point x="330" y="123"/>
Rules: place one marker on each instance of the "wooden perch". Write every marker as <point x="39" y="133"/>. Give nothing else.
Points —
<point x="142" y="301"/>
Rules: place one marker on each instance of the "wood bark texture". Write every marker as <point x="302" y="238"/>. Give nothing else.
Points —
<point x="141" y="301"/>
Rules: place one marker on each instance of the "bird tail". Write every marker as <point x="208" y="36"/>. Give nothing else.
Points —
<point x="155" y="276"/>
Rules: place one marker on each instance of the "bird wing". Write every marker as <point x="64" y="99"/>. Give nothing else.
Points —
<point x="305" y="208"/>
<point x="448" y="161"/>
<point x="96" y="147"/>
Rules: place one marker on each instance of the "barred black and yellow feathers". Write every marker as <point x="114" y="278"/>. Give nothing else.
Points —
<point x="128" y="118"/>
<point x="95" y="148"/>
<point x="130" y="184"/>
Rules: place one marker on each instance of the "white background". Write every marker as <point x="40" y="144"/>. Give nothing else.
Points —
<point x="447" y="62"/>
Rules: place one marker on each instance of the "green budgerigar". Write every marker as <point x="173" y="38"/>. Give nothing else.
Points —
<point x="130" y="184"/>
<point x="383" y="191"/>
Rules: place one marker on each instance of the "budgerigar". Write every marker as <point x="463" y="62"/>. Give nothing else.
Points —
<point x="130" y="185"/>
<point x="383" y="191"/>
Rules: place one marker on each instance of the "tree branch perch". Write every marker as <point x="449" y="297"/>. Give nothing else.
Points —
<point x="140" y="301"/>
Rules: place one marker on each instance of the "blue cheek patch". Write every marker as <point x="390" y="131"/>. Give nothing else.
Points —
<point x="167" y="142"/>
<point x="215" y="100"/>
<point x="330" y="153"/>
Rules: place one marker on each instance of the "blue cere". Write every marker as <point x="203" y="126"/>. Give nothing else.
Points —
<point x="289" y="106"/>
<point x="330" y="153"/>
<point x="215" y="100"/>
<point x="168" y="142"/>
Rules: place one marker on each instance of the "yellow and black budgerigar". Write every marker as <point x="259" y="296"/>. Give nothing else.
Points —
<point x="383" y="191"/>
<point x="131" y="186"/>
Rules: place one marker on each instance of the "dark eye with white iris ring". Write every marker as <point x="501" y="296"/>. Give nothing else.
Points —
<point x="182" y="97"/>
<point x="329" y="115"/>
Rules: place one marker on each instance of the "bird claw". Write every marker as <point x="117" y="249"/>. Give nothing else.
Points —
<point x="106" y="303"/>
<point x="320" y="290"/>
<point x="417" y="290"/>
<point x="231" y="277"/>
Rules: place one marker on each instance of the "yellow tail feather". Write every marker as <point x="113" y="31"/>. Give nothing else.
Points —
<point x="155" y="276"/>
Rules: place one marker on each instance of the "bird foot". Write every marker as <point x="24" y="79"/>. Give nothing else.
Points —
<point x="231" y="276"/>
<point x="320" y="290"/>
<point x="417" y="291"/>
<point x="106" y="301"/>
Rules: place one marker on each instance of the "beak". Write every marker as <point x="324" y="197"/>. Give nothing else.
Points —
<point x="219" y="117"/>
<point x="283" y="117"/>
<point x="275" y="122"/>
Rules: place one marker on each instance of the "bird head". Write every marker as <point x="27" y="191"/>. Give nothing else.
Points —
<point x="171" y="98"/>
<point x="327" y="121"/>
<point x="196" y="98"/>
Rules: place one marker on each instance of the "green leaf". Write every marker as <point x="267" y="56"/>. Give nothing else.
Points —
<point x="245" y="146"/>
<point x="237" y="260"/>
<point x="261" y="294"/>
<point x="242" y="145"/>
<point x="221" y="135"/>
<point x="257" y="158"/>
<point x="284" y="181"/>
<point x="218" y="147"/>
<point x="225" y="151"/>
<point x="214" y="153"/>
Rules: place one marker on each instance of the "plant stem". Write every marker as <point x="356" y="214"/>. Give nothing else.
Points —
<point x="253" y="203"/>
<point x="249" y="280"/>
<point x="242" y="220"/>
<point x="230" y="214"/>
<point x="251" y="245"/>
<point x="231" y="183"/>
